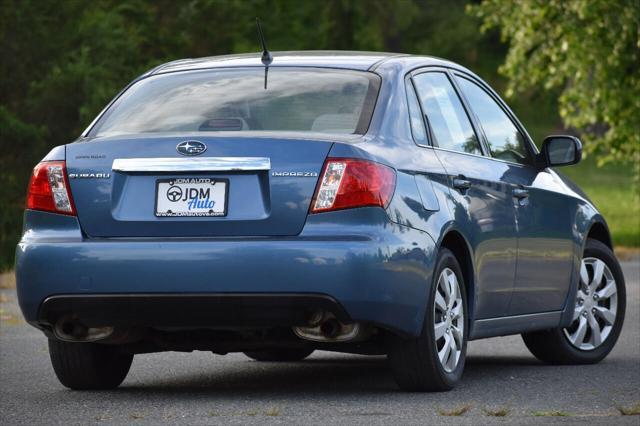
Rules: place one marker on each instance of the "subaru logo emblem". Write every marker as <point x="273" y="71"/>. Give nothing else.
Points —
<point x="191" y="148"/>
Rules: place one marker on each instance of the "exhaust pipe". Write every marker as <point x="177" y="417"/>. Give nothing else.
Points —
<point x="71" y="330"/>
<point x="330" y="328"/>
<point x="324" y="327"/>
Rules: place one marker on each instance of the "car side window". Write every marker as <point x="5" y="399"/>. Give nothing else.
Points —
<point x="503" y="137"/>
<point x="415" y="117"/>
<point x="447" y="118"/>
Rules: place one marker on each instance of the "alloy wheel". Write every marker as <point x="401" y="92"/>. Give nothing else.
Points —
<point x="596" y="306"/>
<point x="448" y="320"/>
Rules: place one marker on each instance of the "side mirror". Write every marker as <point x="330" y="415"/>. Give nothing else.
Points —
<point x="560" y="150"/>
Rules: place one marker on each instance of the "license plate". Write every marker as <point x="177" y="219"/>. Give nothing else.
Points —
<point x="202" y="197"/>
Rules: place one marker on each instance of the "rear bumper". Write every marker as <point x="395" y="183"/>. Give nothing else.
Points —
<point x="371" y="269"/>
<point x="188" y="310"/>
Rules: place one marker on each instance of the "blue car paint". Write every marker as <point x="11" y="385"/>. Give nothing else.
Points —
<point x="259" y="203"/>
<point x="376" y="269"/>
<point x="376" y="263"/>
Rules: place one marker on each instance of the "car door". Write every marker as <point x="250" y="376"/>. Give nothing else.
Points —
<point x="543" y="213"/>
<point x="481" y="201"/>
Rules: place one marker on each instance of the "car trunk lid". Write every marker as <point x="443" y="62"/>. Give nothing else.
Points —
<point x="263" y="185"/>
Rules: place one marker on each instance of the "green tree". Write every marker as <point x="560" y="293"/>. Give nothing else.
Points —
<point x="588" y="50"/>
<point x="64" y="60"/>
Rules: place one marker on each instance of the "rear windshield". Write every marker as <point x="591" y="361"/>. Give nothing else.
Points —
<point x="303" y="100"/>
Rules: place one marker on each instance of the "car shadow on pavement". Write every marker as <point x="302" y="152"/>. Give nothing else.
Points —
<point x="343" y="375"/>
<point x="500" y="361"/>
<point x="369" y="374"/>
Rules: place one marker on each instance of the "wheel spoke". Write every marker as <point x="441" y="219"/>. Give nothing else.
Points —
<point x="444" y="283"/>
<point x="577" y="338"/>
<point x="596" y="336"/>
<point x="449" y="331"/>
<point x="598" y="270"/>
<point x="605" y="314"/>
<point x="452" y="355"/>
<point x="440" y="329"/>
<point x="457" y="310"/>
<point x="608" y="290"/>
<point x="440" y="303"/>
<point x="596" y="307"/>
<point x="445" y="351"/>
<point x="584" y="275"/>
<point x="453" y="293"/>
<point x="576" y="313"/>
<point x="457" y="335"/>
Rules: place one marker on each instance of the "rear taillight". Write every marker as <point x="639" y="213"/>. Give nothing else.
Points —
<point x="49" y="189"/>
<point x="348" y="183"/>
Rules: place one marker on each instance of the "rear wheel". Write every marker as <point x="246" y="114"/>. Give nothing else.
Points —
<point x="434" y="361"/>
<point x="88" y="366"/>
<point x="597" y="317"/>
<point x="280" y="354"/>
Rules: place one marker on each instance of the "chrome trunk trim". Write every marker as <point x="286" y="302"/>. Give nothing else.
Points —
<point x="207" y="164"/>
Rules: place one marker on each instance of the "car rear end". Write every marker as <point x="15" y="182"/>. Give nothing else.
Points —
<point x="205" y="212"/>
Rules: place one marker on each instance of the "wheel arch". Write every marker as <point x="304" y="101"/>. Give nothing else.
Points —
<point x="600" y="231"/>
<point x="453" y="240"/>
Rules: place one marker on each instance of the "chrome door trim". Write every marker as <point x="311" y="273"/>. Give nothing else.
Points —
<point x="207" y="164"/>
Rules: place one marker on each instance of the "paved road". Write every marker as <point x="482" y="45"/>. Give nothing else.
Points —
<point x="327" y="388"/>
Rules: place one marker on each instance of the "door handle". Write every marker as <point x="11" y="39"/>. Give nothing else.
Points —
<point x="520" y="193"/>
<point x="461" y="183"/>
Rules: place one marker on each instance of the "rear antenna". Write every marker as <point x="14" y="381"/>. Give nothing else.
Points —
<point x="267" y="58"/>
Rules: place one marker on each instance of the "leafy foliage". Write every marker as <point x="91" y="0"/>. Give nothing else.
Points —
<point x="590" y="52"/>
<point x="63" y="60"/>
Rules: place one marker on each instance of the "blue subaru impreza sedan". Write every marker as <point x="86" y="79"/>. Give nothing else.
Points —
<point x="354" y="202"/>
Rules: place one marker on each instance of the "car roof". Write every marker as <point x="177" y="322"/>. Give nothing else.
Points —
<point x="328" y="59"/>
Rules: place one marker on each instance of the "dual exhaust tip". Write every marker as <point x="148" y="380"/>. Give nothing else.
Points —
<point x="72" y="330"/>
<point x="323" y="326"/>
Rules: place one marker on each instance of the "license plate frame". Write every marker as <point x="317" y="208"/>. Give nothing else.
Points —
<point x="190" y="182"/>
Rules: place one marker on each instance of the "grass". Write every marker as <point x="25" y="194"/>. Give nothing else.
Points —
<point x="272" y="412"/>
<point x="496" y="412"/>
<point x="7" y="280"/>
<point x="612" y="190"/>
<point x="102" y="418"/>
<point x="551" y="414"/>
<point x="456" y="411"/>
<point x="629" y="411"/>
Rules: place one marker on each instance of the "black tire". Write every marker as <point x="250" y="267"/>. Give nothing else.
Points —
<point x="88" y="366"/>
<point x="553" y="346"/>
<point x="414" y="362"/>
<point x="280" y="354"/>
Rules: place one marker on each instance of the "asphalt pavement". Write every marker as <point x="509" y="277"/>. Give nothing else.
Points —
<point x="501" y="377"/>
